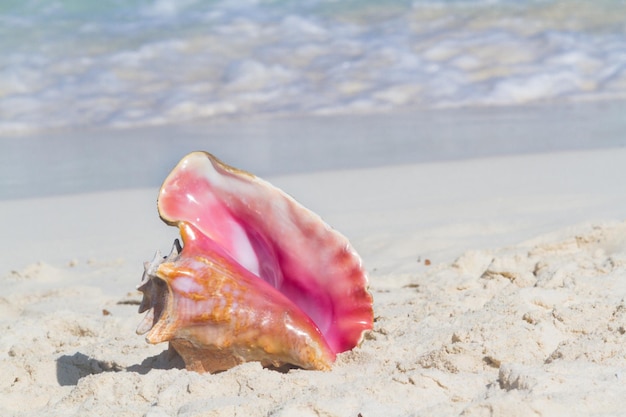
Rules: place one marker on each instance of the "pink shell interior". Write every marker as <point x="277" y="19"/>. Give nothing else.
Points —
<point x="276" y="239"/>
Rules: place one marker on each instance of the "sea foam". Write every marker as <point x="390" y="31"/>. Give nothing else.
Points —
<point x="137" y="63"/>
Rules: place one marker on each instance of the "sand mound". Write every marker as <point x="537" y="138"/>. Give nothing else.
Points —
<point x="534" y="329"/>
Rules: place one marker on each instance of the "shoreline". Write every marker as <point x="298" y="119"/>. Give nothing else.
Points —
<point x="98" y="160"/>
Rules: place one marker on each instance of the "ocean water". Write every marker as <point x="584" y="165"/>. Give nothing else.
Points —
<point x="75" y="64"/>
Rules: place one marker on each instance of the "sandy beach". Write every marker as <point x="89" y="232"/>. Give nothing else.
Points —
<point x="498" y="287"/>
<point x="473" y="152"/>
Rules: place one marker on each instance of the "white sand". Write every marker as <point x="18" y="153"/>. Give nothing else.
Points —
<point x="521" y="312"/>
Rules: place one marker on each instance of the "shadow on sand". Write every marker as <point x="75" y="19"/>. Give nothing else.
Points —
<point x="71" y="368"/>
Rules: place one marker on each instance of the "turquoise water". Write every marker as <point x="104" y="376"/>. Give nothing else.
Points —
<point x="75" y="64"/>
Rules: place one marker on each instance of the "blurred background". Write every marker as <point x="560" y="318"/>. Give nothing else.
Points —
<point x="102" y="94"/>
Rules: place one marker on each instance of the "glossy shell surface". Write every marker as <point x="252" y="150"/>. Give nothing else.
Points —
<point x="259" y="277"/>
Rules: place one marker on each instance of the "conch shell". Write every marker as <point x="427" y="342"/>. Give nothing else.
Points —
<point x="258" y="278"/>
